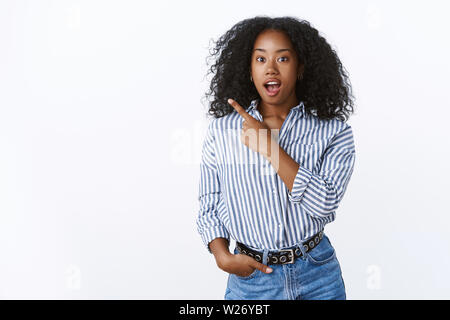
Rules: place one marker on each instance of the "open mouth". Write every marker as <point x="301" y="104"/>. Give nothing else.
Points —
<point x="272" y="89"/>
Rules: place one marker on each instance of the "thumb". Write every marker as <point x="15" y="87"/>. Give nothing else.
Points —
<point x="263" y="267"/>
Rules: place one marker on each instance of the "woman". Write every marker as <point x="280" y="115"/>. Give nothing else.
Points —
<point x="274" y="173"/>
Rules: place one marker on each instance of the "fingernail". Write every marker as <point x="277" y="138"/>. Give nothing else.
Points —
<point x="269" y="270"/>
<point x="229" y="100"/>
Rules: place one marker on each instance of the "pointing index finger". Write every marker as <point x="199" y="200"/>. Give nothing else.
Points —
<point x="240" y="110"/>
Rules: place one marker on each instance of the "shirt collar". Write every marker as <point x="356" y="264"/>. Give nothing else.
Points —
<point x="299" y="109"/>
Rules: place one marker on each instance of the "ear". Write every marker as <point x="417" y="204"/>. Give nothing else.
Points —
<point x="301" y="69"/>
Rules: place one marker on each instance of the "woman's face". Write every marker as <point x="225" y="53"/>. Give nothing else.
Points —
<point x="274" y="57"/>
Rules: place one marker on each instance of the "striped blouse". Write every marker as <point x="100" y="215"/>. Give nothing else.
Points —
<point x="241" y="196"/>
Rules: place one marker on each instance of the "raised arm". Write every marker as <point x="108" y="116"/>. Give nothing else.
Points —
<point x="320" y="194"/>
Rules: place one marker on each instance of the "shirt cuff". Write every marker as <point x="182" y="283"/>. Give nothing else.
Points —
<point x="300" y="183"/>
<point x="213" y="233"/>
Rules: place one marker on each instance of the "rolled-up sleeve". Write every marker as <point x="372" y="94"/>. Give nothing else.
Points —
<point x="209" y="224"/>
<point x="320" y="194"/>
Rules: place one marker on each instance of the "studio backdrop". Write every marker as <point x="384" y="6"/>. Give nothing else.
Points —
<point x="102" y="120"/>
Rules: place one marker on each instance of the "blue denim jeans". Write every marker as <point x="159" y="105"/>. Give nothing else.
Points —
<point x="315" y="275"/>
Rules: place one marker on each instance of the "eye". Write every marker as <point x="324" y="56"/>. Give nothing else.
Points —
<point x="263" y="58"/>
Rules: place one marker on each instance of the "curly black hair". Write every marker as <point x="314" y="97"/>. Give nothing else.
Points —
<point x="325" y="88"/>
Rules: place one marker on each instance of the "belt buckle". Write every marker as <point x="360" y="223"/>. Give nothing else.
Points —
<point x="292" y="255"/>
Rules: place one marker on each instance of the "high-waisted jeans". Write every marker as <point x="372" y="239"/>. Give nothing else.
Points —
<point x="315" y="275"/>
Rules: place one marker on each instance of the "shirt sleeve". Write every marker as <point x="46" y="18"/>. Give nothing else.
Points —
<point x="320" y="194"/>
<point x="209" y="225"/>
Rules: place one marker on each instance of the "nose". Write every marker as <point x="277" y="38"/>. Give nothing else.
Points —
<point x="271" y="73"/>
<point x="271" y="69"/>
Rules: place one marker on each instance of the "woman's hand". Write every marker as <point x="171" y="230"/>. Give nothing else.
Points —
<point x="255" y="134"/>
<point x="241" y="264"/>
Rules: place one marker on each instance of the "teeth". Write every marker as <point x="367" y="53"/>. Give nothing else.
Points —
<point x="272" y="82"/>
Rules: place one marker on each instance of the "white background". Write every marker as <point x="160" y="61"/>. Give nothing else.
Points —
<point x="101" y="125"/>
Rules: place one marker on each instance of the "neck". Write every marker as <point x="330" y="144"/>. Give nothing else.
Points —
<point x="278" y="110"/>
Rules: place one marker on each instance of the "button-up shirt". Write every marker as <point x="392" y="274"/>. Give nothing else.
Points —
<point x="241" y="195"/>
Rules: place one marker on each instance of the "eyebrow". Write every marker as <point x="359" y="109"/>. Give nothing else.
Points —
<point x="280" y="50"/>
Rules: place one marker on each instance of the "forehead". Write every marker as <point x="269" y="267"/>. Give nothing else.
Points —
<point x="272" y="40"/>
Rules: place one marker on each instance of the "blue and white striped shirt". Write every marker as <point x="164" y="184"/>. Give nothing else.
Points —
<point x="242" y="196"/>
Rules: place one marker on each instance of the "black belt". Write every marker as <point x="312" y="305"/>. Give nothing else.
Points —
<point x="282" y="256"/>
